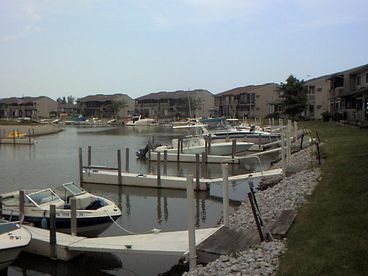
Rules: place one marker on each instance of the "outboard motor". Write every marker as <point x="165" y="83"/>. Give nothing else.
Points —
<point x="141" y="154"/>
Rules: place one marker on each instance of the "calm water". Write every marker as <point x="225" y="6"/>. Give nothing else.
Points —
<point x="54" y="160"/>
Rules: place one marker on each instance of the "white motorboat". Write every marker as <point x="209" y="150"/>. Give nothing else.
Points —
<point x="196" y="144"/>
<point x="94" y="213"/>
<point x="139" y="121"/>
<point x="13" y="238"/>
<point x="220" y="129"/>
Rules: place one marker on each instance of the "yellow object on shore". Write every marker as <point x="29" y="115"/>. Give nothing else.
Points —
<point x="16" y="134"/>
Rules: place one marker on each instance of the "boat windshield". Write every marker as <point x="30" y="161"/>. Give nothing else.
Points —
<point x="68" y="190"/>
<point x="43" y="197"/>
<point x="6" y="226"/>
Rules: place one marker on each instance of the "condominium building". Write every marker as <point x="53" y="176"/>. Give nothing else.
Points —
<point x="101" y="105"/>
<point x="318" y="90"/>
<point x="32" y="107"/>
<point x="249" y="101"/>
<point x="192" y="103"/>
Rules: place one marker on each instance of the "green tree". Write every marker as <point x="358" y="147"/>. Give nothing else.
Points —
<point x="294" y="96"/>
<point x="70" y="99"/>
<point x="117" y="106"/>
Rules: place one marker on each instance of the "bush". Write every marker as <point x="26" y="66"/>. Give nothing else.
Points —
<point x="326" y="116"/>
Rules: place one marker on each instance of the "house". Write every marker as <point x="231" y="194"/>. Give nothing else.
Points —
<point x="68" y="108"/>
<point x="197" y="103"/>
<point x="101" y="105"/>
<point x="32" y="107"/>
<point x="318" y="90"/>
<point x="349" y="95"/>
<point x="249" y="101"/>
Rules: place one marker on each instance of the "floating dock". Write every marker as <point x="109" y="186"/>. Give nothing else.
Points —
<point x="105" y="176"/>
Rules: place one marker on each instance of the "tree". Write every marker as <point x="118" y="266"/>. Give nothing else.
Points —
<point x="192" y="103"/>
<point x="117" y="106"/>
<point x="294" y="96"/>
<point x="70" y="99"/>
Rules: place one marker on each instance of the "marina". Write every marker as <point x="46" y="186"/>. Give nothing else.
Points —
<point x="142" y="209"/>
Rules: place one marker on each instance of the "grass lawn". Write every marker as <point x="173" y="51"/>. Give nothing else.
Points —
<point x="330" y="234"/>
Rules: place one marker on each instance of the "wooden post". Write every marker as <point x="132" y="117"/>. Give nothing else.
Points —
<point x="181" y="145"/>
<point x="296" y="131"/>
<point x="190" y="217"/>
<point x="280" y="122"/>
<point x="73" y="216"/>
<point x="203" y="164"/>
<point x="127" y="160"/>
<point x="21" y="201"/>
<point x="120" y="182"/>
<point x="80" y="165"/>
<point x="250" y="196"/>
<point x="318" y="153"/>
<point x="178" y="153"/>
<point x="269" y="122"/>
<point x="165" y="162"/>
<point x="225" y="193"/>
<point x="301" y="141"/>
<point x="158" y="169"/>
<point x="53" y="253"/>
<point x="29" y="136"/>
<point x="197" y="171"/>
<point x="273" y="121"/>
<point x="288" y="147"/>
<point x="206" y="147"/>
<point x="283" y="155"/>
<point x="89" y="156"/>
<point x="209" y="144"/>
<point x="233" y="149"/>
<point x="318" y="137"/>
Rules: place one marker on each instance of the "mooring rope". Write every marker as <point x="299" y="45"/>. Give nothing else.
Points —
<point x="154" y="230"/>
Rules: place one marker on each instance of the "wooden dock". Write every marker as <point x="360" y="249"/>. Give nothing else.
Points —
<point x="68" y="246"/>
<point x="106" y="176"/>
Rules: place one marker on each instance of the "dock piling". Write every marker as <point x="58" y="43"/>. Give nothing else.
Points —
<point x="233" y="149"/>
<point x="73" y="217"/>
<point x="197" y="171"/>
<point x="165" y="162"/>
<point x="283" y="155"/>
<point x="127" y="160"/>
<point x="158" y="169"/>
<point x="225" y="195"/>
<point x="120" y="182"/>
<point x="89" y="156"/>
<point x="191" y="230"/>
<point x="250" y="196"/>
<point x="29" y="136"/>
<point x="21" y="201"/>
<point x="80" y="165"/>
<point x="53" y="253"/>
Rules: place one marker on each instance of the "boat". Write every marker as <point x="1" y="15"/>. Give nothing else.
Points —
<point x="16" y="137"/>
<point x="220" y="129"/>
<point x="196" y="144"/>
<point x="94" y="213"/>
<point x="13" y="239"/>
<point x="139" y="121"/>
<point x="188" y="123"/>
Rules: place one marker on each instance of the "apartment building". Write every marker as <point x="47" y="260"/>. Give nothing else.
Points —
<point x="318" y="90"/>
<point x="192" y="103"/>
<point x="32" y="107"/>
<point x="101" y="105"/>
<point x="249" y="101"/>
<point x="349" y="95"/>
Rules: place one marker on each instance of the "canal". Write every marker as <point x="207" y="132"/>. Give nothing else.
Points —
<point x="54" y="160"/>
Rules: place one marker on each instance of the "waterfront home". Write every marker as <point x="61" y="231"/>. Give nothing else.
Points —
<point x="318" y="90"/>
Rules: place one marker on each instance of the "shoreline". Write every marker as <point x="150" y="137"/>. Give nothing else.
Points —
<point x="289" y="193"/>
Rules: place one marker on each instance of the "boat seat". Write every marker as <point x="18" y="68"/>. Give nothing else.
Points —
<point x="84" y="200"/>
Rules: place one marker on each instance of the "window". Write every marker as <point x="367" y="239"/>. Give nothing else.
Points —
<point x="319" y="89"/>
<point x="366" y="77"/>
<point x="358" y="80"/>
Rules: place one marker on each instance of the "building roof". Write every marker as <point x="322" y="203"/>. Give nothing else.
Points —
<point x="244" y="89"/>
<point x="21" y="100"/>
<point x="101" y="98"/>
<point x="171" y="95"/>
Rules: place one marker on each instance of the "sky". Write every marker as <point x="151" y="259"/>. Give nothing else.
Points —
<point x="58" y="48"/>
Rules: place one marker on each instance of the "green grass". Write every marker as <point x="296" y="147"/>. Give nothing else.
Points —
<point x="330" y="234"/>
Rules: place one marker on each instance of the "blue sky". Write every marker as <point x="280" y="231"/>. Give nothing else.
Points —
<point x="80" y="47"/>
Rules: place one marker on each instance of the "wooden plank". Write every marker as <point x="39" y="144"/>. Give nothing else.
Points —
<point x="282" y="225"/>
<point x="224" y="242"/>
